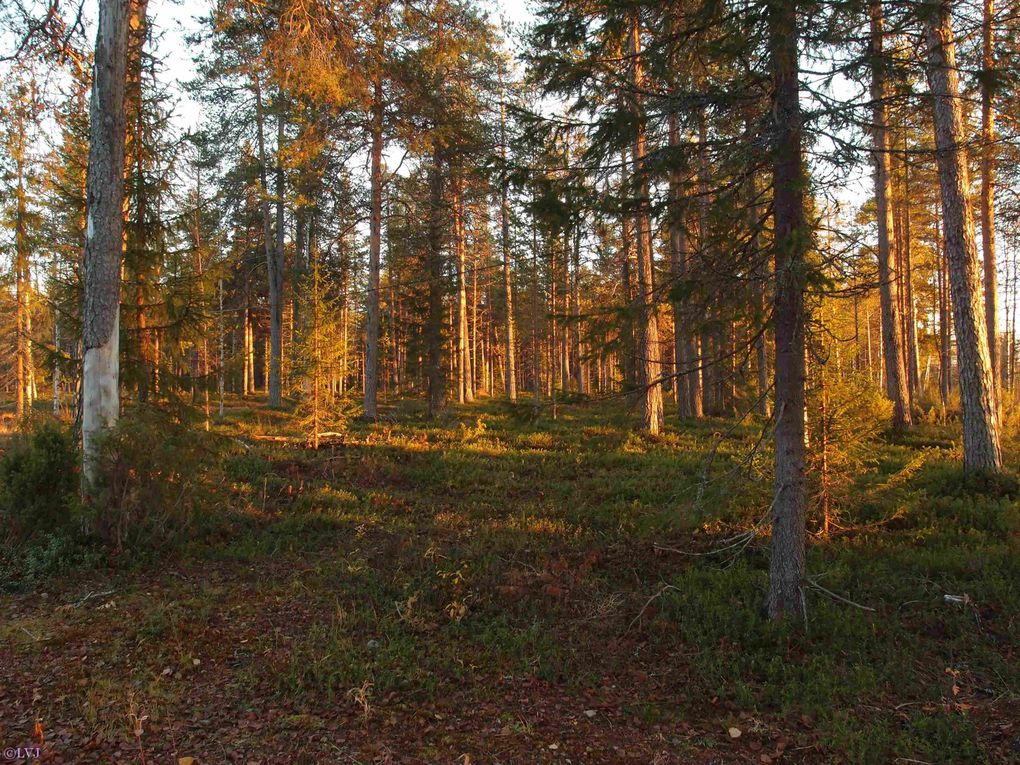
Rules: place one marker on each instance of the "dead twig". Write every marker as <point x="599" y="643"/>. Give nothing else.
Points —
<point x="648" y="603"/>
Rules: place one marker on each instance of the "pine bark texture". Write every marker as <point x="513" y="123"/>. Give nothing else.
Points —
<point x="981" y="446"/>
<point x="792" y="242"/>
<point x="892" y="336"/>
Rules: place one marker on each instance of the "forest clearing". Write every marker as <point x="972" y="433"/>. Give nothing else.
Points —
<point x="518" y="591"/>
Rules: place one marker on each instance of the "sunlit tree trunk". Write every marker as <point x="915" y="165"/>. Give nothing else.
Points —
<point x="434" y="320"/>
<point x="981" y="448"/>
<point x="892" y="338"/>
<point x="683" y="383"/>
<point x="988" y="191"/>
<point x="274" y="257"/>
<point x="374" y="251"/>
<point x="628" y="355"/>
<point x="22" y="280"/>
<point x="508" y="286"/>
<point x="104" y="233"/>
<point x="652" y="414"/>
<point x="575" y="303"/>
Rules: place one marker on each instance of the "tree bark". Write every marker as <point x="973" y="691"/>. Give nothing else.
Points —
<point x="991" y="281"/>
<point x="892" y="337"/>
<point x="434" y="320"/>
<point x="274" y="381"/>
<point x="374" y="251"/>
<point x="792" y="242"/>
<point x="23" y="351"/>
<point x="981" y="447"/>
<point x="652" y="414"/>
<point x="510" y="385"/>
<point x="104" y="234"/>
<point x="274" y="258"/>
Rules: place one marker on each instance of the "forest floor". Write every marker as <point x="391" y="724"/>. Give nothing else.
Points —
<point x="496" y="588"/>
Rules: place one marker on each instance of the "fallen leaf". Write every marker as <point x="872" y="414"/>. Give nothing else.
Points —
<point x="185" y="761"/>
<point x="735" y="732"/>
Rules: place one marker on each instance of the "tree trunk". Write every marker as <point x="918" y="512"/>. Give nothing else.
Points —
<point x="464" y="388"/>
<point x="374" y="251"/>
<point x="104" y="234"/>
<point x="909" y="305"/>
<point x="274" y="377"/>
<point x="892" y="338"/>
<point x="434" y="320"/>
<point x="792" y="242"/>
<point x="575" y="299"/>
<point x="981" y="449"/>
<point x="683" y="381"/>
<point x="274" y="267"/>
<point x="628" y="355"/>
<point x="22" y="280"/>
<point x="652" y="415"/>
<point x="988" y="193"/>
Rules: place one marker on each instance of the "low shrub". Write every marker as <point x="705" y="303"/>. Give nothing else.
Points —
<point x="155" y="475"/>
<point x="39" y="483"/>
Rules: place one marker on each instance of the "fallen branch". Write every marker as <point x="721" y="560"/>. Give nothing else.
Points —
<point x="92" y="594"/>
<point x="834" y="595"/>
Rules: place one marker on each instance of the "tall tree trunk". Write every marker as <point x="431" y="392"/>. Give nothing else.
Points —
<point x="792" y="242"/>
<point x="762" y="273"/>
<point x="508" y="287"/>
<point x="140" y="259"/>
<point x="22" y="280"/>
<point x="988" y="192"/>
<point x="464" y="391"/>
<point x="374" y="251"/>
<point x="434" y="320"/>
<point x="892" y="338"/>
<point x="104" y="233"/>
<point x="628" y="354"/>
<point x="220" y="382"/>
<point x="945" y="323"/>
<point x="274" y="381"/>
<point x="683" y="382"/>
<point x="536" y="360"/>
<point x="57" y="354"/>
<point x="981" y="448"/>
<point x="910" y="307"/>
<point x="652" y="414"/>
<point x="274" y="258"/>
<point x="575" y="300"/>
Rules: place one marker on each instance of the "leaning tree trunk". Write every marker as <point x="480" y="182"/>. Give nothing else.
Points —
<point x="892" y="336"/>
<point x="104" y="229"/>
<point x="981" y="449"/>
<point x="792" y="242"/>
